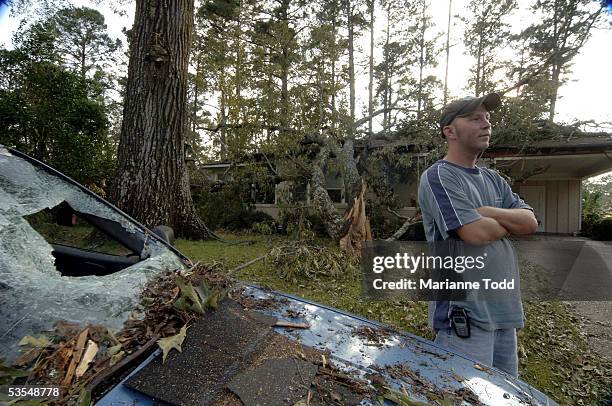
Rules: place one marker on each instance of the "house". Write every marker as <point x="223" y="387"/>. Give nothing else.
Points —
<point x="547" y="174"/>
<point x="553" y="171"/>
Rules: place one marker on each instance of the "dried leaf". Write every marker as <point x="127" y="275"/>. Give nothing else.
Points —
<point x="113" y="350"/>
<point x="40" y="342"/>
<point x="116" y="358"/>
<point x="65" y="330"/>
<point x="203" y="290"/>
<point x="401" y="399"/>
<point x="7" y="374"/>
<point x="111" y="336"/>
<point x="181" y="304"/>
<point x="175" y="341"/>
<point x="189" y="292"/>
<point x="84" y="398"/>
<point x="27" y="357"/>
<point x="212" y="300"/>
<point x="90" y="353"/>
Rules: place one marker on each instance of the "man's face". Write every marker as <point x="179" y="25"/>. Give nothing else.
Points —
<point x="470" y="133"/>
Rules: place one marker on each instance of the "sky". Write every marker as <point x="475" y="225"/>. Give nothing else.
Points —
<point x="585" y="96"/>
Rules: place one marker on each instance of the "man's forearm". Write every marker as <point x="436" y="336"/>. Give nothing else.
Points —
<point x="516" y="221"/>
<point x="483" y="231"/>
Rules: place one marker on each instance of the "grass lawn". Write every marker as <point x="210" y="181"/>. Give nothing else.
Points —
<point x="554" y="354"/>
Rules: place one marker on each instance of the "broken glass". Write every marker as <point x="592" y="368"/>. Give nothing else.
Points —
<point x="33" y="293"/>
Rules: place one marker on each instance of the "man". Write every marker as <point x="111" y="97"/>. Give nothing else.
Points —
<point x="461" y="201"/>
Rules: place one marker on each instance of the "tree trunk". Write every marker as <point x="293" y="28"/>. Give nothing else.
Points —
<point x="333" y="70"/>
<point x="349" y="170"/>
<point x="478" y="65"/>
<point x="554" y="91"/>
<point x="152" y="182"/>
<point x="284" y="75"/>
<point x="448" y="27"/>
<point x="386" y="81"/>
<point x="83" y="70"/>
<point x="322" y="204"/>
<point x="555" y="66"/>
<point x="351" y="67"/>
<point x="371" y="72"/>
<point x="421" y="63"/>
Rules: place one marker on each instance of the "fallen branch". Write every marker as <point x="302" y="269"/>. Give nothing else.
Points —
<point x="402" y="230"/>
<point x="397" y="214"/>
<point x="289" y="324"/>
<point x="246" y="264"/>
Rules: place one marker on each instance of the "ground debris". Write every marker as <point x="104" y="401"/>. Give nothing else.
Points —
<point x="328" y="386"/>
<point x="74" y="356"/>
<point x="374" y="336"/>
<point x="434" y="394"/>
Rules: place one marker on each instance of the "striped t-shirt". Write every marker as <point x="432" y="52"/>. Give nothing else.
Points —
<point x="448" y="197"/>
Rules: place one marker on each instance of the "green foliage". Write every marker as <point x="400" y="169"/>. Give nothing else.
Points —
<point x="602" y="230"/>
<point x="596" y="206"/>
<point x="227" y="204"/>
<point x="382" y="223"/>
<point x="515" y="122"/>
<point x="223" y="205"/>
<point x="46" y="112"/>
<point x="73" y="36"/>
<point x="300" y="223"/>
<point x="551" y="44"/>
<point x="301" y="261"/>
<point x="486" y="33"/>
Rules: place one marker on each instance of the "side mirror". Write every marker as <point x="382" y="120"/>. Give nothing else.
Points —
<point x="165" y="233"/>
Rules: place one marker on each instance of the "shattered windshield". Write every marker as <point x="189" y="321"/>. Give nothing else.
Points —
<point x="34" y="291"/>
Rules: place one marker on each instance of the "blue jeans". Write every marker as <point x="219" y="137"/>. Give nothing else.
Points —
<point x="493" y="348"/>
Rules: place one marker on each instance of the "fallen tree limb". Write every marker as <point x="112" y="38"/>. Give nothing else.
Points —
<point x="402" y="230"/>
<point x="248" y="263"/>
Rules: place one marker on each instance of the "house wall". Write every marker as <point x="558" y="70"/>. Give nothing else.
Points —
<point x="563" y="206"/>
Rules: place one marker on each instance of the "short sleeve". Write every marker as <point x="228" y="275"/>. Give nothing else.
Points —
<point x="511" y="200"/>
<point x="448" y="203"/>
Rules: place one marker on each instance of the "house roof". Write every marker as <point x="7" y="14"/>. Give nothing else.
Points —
<point x="577" y="157"/>
<point x="572" y="145"/>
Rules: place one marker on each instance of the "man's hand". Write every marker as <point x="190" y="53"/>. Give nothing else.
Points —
<point x="481" y="232"/>
<point x="516" y="221"/>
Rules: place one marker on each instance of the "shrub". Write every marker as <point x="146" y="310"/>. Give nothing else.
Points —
<point x="602" y="230"/>
<point x="223" y="206"/>
<point x="300" y="223"/>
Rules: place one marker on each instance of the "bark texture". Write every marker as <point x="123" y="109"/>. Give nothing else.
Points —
<point x="322" y="204"/>
<point x="152" y="181"/>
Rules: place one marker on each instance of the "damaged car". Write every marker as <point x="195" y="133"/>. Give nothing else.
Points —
<point x="103" y="315"/>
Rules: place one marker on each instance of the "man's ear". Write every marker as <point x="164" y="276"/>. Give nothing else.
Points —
<point x="449" y="132"/>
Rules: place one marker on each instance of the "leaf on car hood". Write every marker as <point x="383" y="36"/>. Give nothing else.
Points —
<point x="7" y="374"/>
<point x="188" y="293"/>
<point x="40" y="342"/>
<point x="175" y="341"/>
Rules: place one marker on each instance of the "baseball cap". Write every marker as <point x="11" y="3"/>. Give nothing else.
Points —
<point x="466" y="105"/>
